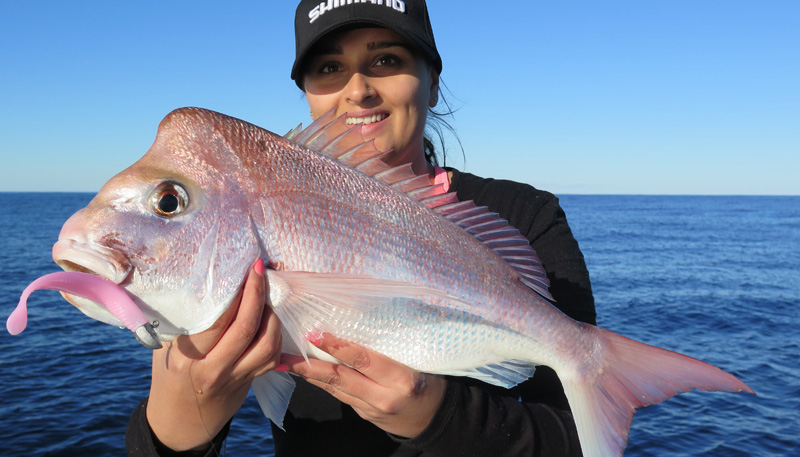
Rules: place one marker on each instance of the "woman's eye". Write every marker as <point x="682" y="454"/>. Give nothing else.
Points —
<point x="388" y="61"/>
<point x="329" y="68"/>
<point x="169" y="199"/>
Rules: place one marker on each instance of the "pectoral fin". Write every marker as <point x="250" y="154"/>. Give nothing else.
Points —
<point x="309" y="303"/>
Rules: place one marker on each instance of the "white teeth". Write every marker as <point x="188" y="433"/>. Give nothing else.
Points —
<point x="367" y="119"/>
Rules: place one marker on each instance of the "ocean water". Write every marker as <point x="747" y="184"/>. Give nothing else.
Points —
<point x="717" y="278"/>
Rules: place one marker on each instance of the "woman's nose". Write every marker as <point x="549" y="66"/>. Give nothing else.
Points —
<point x="358" y="89"/>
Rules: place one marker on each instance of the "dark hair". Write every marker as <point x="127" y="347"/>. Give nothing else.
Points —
<point x="435" y="126"/>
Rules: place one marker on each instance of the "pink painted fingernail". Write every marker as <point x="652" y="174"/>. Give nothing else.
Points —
<point x="315" y="339"/>
<point x="282" y="367"/>
<point x="259" y="267"/>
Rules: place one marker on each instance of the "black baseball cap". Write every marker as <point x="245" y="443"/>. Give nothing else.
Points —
<point x="316" y="18"/>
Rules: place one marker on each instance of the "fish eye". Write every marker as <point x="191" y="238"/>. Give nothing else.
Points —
<point x="169" y="199"/>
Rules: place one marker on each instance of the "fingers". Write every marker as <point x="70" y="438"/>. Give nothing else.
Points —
<point x="367" y="374"/>
<point x="264" y="351"/>
<point x="247" y="321"/>
<point x="200" y="382"/>
<point x="344" y="383"/>
<point x="387" y="393"/>
<point x="245" y="341"/>
<point x="376" y="366"/>
<point x="198" y="345"/>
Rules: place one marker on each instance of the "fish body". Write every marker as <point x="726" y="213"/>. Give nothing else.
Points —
<point x="372" y="254"/>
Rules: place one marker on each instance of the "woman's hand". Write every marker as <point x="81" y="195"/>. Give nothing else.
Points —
<point x="200" y="381"/>
<point x="392" y="396"/>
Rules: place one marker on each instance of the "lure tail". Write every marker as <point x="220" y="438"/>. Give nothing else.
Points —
<point x="633" y="375"/>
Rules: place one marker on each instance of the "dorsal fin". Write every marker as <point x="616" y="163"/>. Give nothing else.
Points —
<point x="331" y="136"/>
<point x="293" y="132"/>
<point x="495" y="233"/>
<point x="302" y="136"/>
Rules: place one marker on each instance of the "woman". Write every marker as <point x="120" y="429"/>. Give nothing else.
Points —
<point x="379" y="64"/>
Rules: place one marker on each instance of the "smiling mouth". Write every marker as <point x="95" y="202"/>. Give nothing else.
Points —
<point x="366" y="120"/>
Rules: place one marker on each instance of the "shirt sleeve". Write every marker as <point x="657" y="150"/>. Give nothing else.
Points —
<point x="474" y="420"/>
<point x="532" y="418"/>
<point x="140" y="441"/>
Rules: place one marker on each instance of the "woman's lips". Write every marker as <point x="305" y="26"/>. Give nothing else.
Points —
<point x="370" y="122"/>
<point x="366" y="120"/>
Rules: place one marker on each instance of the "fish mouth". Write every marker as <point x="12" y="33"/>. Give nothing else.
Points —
<point x="74" y="255"/>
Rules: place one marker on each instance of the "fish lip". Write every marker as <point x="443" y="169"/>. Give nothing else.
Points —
<point x="75" y="255"/>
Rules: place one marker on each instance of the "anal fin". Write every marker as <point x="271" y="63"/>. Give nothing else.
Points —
<point x="505" y="374"/>
<point x="273" y="390"/>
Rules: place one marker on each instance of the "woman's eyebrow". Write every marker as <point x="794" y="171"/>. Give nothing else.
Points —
<point x="326" y="50"/>
<point x="385" y="44"/>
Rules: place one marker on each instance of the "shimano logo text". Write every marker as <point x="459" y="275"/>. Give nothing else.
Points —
<point x="319" y="10"/>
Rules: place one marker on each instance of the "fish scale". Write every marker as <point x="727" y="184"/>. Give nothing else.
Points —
<point x="370" y="253"/>
<point x="406" y="243"/>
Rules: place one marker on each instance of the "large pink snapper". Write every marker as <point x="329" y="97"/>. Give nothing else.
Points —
<point x="369" y="253"/>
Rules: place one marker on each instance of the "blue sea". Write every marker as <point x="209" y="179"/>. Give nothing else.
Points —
<point x="717" y="278"/>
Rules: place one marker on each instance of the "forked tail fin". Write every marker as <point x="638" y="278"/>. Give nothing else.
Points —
<point x="633" y="374"/>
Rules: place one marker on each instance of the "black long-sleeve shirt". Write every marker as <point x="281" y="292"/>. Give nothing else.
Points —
<point x="475" y="418"/>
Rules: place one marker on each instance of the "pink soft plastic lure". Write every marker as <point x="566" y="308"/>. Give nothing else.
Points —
<point x="90" y="287"/>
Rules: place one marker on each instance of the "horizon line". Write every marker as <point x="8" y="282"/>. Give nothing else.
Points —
<point x="611" y="194"/>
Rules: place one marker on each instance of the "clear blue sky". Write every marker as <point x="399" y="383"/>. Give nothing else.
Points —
<point x="631" y="97"/>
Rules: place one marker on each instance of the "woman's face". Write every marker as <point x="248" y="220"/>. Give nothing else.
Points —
<point x="375" y="77"/>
